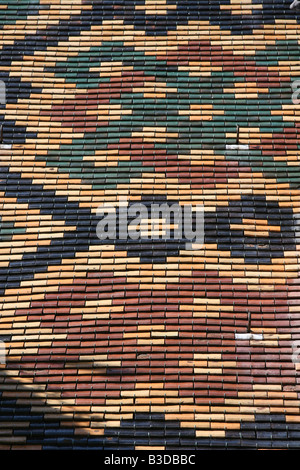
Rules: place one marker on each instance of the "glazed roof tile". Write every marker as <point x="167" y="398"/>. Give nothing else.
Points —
<point x="149" y="343"/>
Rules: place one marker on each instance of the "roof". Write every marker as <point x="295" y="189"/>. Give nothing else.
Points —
<point x="149" y="343"/>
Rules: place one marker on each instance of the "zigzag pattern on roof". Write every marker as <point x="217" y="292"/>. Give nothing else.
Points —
<point x="142" y="344"/>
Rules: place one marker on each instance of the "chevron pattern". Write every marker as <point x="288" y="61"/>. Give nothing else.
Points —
<point x="149" y="345"/>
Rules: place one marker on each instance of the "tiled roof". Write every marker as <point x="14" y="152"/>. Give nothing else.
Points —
<point x="149" y="344"/>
